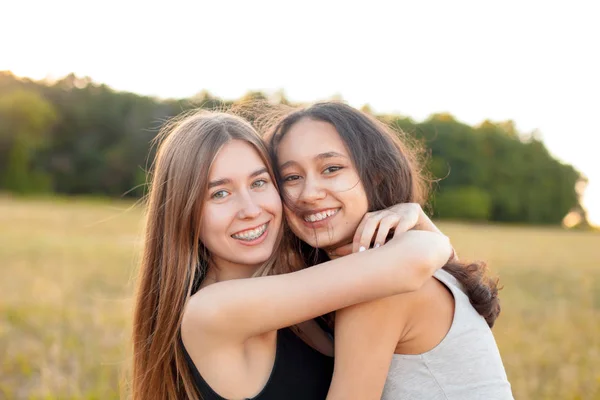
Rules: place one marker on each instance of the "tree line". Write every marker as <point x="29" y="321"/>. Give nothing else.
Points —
<point x="74" y="136"/>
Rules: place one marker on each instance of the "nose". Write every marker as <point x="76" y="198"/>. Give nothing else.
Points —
<point x="312" y="191"/>
<point x="249" y="208"/>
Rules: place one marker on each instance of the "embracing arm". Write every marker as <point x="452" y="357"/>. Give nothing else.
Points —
<point x="244" y="308"/>
<point x="366" y="336"/>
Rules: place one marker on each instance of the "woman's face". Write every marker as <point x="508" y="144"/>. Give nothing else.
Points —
<point x="320" y="180"/>
<point x="242" y="213"/>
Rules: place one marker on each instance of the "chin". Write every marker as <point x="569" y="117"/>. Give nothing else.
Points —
<point x="258" y="257"/>
<point x="322" y="241"/>
<point x="325" y="237"/>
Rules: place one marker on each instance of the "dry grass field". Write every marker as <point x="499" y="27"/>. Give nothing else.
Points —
<point x="66" y="282"/>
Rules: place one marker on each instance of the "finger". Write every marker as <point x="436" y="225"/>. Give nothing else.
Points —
<point x="403" y="226"/>
<point x="367" y="234"/>
<point x="361" y="226"/>
<point x="385" y="225"/>
<point x="341" y="251"/>
<point x="358" y="234"/>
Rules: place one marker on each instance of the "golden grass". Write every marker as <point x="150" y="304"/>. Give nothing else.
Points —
<point x="65" y="300"/>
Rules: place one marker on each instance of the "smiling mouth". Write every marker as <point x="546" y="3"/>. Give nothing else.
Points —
<point x="251" y="234"/>
<point x="321" y="216"/>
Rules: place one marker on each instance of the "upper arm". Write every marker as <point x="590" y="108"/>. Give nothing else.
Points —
<point x="247" y="307"/>
<point x="366" y="336"/>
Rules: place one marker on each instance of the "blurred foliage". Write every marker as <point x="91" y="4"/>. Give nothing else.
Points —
<point x="75" y="136"/>
<point x="464" y="202"/>
<point x="25" y="119"/>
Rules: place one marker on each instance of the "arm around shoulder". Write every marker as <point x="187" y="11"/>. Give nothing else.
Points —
<point x="243" y="308"/>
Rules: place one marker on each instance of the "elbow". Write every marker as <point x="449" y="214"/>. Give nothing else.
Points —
<point x="422" y="271"/>
<point x="423" y="253"/>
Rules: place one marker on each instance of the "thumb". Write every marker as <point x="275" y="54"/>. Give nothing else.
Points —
<point x="341" y="251"/>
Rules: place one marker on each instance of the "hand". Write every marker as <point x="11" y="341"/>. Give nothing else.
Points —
<point x="377" y="226"/>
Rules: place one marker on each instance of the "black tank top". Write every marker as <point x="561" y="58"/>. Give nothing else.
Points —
<point x="299" y="372"/>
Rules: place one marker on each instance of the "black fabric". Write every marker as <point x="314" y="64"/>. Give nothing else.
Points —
<point x="322" y="322"/>
<point x="299" y="373"/>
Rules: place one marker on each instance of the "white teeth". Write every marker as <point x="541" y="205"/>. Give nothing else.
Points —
<point x="251" y="234"/>
<point x="320" y="215"/>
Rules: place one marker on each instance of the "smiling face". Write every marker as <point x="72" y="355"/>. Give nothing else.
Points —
<point x="241" y="215"/>
<point x="327" y="198"/>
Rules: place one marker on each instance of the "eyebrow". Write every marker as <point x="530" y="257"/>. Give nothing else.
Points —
<point x="318" y="157"/>
<point x="225" y="181"/>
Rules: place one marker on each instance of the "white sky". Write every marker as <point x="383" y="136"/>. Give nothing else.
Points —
<point x="535" y="62"/>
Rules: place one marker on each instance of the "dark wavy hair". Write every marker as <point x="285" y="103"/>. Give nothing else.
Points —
<point x="389" y="165"/>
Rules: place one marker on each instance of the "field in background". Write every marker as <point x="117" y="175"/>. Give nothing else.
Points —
<point x="66" y="283"/>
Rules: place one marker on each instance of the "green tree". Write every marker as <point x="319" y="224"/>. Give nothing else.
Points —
<point x="90" y="139"/>
<point x="25" y="119"/>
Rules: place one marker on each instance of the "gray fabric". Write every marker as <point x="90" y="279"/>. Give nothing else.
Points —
<point x="466" y="365"/>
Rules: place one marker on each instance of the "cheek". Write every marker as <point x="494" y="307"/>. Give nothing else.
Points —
<point x="272" y="203"/>
<point x="214" y="222"/>
<point x="356" y="204"/>
<point x="294" y="223"/>
<point x="362" y="201"/>
<point x="289" y="214"/>
<point x="292" y="191"/>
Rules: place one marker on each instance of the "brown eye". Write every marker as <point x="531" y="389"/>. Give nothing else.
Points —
<point x="291" y="178"/>
<point x="332" y="169"/>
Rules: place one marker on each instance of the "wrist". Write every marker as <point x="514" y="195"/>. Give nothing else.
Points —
<point x="426" y="224"/>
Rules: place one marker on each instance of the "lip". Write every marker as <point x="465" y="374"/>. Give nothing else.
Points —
<point x="249" y="229"/>
<point x="322" y="223"/>
<point x="256" y="241"/>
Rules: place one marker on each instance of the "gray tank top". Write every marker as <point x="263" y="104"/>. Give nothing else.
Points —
<point x="465" y="365"/>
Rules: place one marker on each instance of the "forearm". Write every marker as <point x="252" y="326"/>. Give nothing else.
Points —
<point x="257" y="305"/>
<point x="284" y="300"/>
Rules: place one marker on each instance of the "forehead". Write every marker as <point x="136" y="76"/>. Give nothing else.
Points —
<point x="308" y="138"/>
<point x="236" y="158"/>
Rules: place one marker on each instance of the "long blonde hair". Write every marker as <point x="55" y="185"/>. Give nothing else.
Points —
<point x="174" y="260"/>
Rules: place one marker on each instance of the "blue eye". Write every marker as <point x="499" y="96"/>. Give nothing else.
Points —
<point x="259" y="183"/>
<point x="221" y="194"/>
<point x="332" y="169"/>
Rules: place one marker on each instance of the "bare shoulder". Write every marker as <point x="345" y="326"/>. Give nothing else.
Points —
<point x="200" y="319"/>
<point x="192" y="318"/>
<point x="233" y="368"/>
<point x="401" y="313"/>
<point x="432" y="293"/>
<point x="205" y="309"/>
<point x="430" y="318"/>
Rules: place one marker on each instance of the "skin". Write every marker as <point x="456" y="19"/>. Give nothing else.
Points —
<point x="229" y="326"/>
<point x="366" y="335"/>
<point x="239" y="200"/>
<point x="319" y="176"/>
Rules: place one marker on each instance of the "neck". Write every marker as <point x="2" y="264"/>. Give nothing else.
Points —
<point x="221" y="270"/>
<point x="340" y="249"/>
